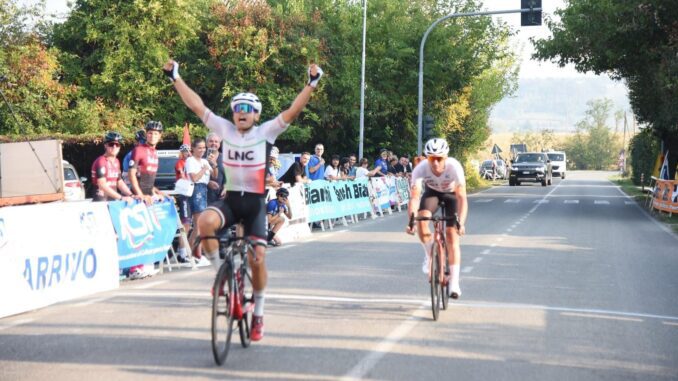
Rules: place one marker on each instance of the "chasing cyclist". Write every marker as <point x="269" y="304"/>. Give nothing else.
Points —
<point x="245" y="151"/>
<point x="443" y="179"/>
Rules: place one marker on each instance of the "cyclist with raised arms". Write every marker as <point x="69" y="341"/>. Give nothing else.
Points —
<point x="442" y="179"/>
<point x="245" y="151"/>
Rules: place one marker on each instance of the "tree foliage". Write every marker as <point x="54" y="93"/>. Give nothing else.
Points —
<point x="594" y="145"/>
<point x="643" y="153"/>
<point x="102" y="67"/>
<point x="634" y="40"/>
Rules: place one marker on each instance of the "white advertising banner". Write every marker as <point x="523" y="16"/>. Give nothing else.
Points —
<point x="55" y="252"/>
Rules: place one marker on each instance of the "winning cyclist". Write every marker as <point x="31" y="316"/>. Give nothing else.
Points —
<point x="245" y="151"/>
<point x="443" y="179"/>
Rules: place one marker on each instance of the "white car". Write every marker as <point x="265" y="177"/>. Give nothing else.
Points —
<point x="558" y="163"/>
<point x="74" y="190"/>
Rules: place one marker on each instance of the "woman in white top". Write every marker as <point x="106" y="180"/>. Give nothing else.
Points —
<point x="332" y="172"/>
<point x="199" y="171"/>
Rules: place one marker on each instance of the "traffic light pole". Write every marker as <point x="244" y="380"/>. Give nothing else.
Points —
<point x="420" y="106"/>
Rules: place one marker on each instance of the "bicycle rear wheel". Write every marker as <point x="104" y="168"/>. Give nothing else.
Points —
<point x="246" y="293"/>
<point x="435" y="281"/>
<point x="222" y="313"/>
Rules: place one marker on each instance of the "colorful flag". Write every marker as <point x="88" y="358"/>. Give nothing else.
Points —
<point x="664" y="171"/>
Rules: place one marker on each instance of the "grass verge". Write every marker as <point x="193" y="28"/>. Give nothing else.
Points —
<point x="640" y="197"/>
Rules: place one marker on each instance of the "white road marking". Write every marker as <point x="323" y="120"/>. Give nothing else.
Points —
<point x="493" y="245"/>
<point x="362" y="368"/>
<point x="149" y="285"/>
<point x="601" y="202"/>
<point x="486" y="251"/>
<point x="571" y="201"/>
<point x="92" y="301"/>
<point x="478" y="260"/>
<point x="483" y="200"/>
<point x="670" y="323"/>
<point x="598" y="316"/>
<point x="467" y="269"/>
<point x="542" y="201"/>
<point x="512" y="201"/>
<point x="629" y="202"/>
<point x="509" y="230"/>
<point x="15" y="323"/>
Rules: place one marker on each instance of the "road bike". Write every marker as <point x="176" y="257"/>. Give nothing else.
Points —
<point x="232" y="294"/>
<point x="439" y="271"/>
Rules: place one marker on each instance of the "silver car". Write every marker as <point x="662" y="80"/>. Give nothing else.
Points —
<point x="74" y="190"/>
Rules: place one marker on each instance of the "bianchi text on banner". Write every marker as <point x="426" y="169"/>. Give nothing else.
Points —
<point x="145" y="233"/>
<point x="335" y="199"/>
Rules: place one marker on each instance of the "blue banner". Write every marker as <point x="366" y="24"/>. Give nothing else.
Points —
<point x="335" y="199"/>
<point x="145" y="233"/>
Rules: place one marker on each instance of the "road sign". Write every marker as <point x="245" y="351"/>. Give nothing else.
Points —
<point x="496" y="150"/>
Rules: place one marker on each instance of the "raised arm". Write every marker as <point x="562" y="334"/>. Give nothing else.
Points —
<point x="191" y="99"/>
<point x="314" y="74"/>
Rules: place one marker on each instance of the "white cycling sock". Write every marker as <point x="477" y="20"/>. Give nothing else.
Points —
<point x="428" y="247"/>
<point x="455" y="277"/>
<point x="214" y="257"/>
<point x="259" y="303"/>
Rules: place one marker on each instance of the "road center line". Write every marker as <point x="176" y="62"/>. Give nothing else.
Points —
<point x="368" y="362"/>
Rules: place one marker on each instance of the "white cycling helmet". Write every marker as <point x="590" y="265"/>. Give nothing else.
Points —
<point x="247" y="98"/>
<point x="436" y="147"/>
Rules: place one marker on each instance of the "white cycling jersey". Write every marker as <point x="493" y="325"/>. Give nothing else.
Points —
<point x="245" y="154"/>
<point x="452" y="175"/>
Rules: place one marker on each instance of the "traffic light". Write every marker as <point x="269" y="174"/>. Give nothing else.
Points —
<point x="428" y="132"/>
<point x="533" y="17"/>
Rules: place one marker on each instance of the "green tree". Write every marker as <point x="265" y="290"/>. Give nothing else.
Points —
<point x="113" y="49"/>
<point x="643" y="153"/>
<point x="593" y="146"/>
<point x="632" y="40"/>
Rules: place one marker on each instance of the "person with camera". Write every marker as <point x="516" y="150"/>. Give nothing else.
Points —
<point x="276" y="210"/>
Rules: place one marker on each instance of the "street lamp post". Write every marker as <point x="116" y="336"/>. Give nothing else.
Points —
<point x="362" y="86"/>
<point x="420" y="105"/>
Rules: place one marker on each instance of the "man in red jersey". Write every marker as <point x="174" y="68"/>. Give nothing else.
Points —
<point x="106" y="175"/>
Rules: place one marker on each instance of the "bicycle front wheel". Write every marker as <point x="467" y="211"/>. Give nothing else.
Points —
<point x="445" y="285"/>
<point x="435" y="281"/>
<point x="222" y="312"/>
<point x="246" y="293"/>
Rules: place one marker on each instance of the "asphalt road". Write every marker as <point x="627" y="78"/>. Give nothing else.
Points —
<point x="568" y="282"/>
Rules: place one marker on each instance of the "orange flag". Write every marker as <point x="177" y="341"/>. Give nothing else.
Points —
<point x="187" y="136"/>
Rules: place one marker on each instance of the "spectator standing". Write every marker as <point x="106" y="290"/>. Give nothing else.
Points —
<point x="182" y="201"/>
<point x="272" y="169"/>
<point x="382" y="163"/>
<point x="332" y="171"/>
<point x="316" y="165"/>
<point x="276" y="210"/>
<point x="362" y="170"/>
<point x="215" y="186"/>
<point x="403" y="167"/>
<point x="139" y="138"/>
<point x="106" y="175"/>
<point x="391" y="166"/>
<point x="296" y="173"/>
<point x="200" y="171"/>
<point x="143" y="167"/>
<point x="345" y="168"/>
<point x="353" y="161"/>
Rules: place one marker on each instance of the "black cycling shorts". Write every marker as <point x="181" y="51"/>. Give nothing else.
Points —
<point x="184" y="209"/>
<point x="248" y="208"/>
<point x="432" y="198"/>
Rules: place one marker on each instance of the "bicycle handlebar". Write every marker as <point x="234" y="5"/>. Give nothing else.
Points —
<point x="454" y="219"/>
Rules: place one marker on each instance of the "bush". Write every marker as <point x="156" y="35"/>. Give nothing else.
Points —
<point x="644" y="149"/>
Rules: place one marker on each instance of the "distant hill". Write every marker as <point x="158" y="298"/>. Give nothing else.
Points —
<point x="555" y="103"/>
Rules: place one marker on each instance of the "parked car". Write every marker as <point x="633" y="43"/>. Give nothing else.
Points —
<point x="486" y="169"/>
<point x="165" y="178"/>
<point x="558" y="163"/>
<point x="532" y="167"/>
<point x="74" y="190"/>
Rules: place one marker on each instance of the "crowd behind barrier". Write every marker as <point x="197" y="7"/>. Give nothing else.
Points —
<point x="61" y="251"/>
